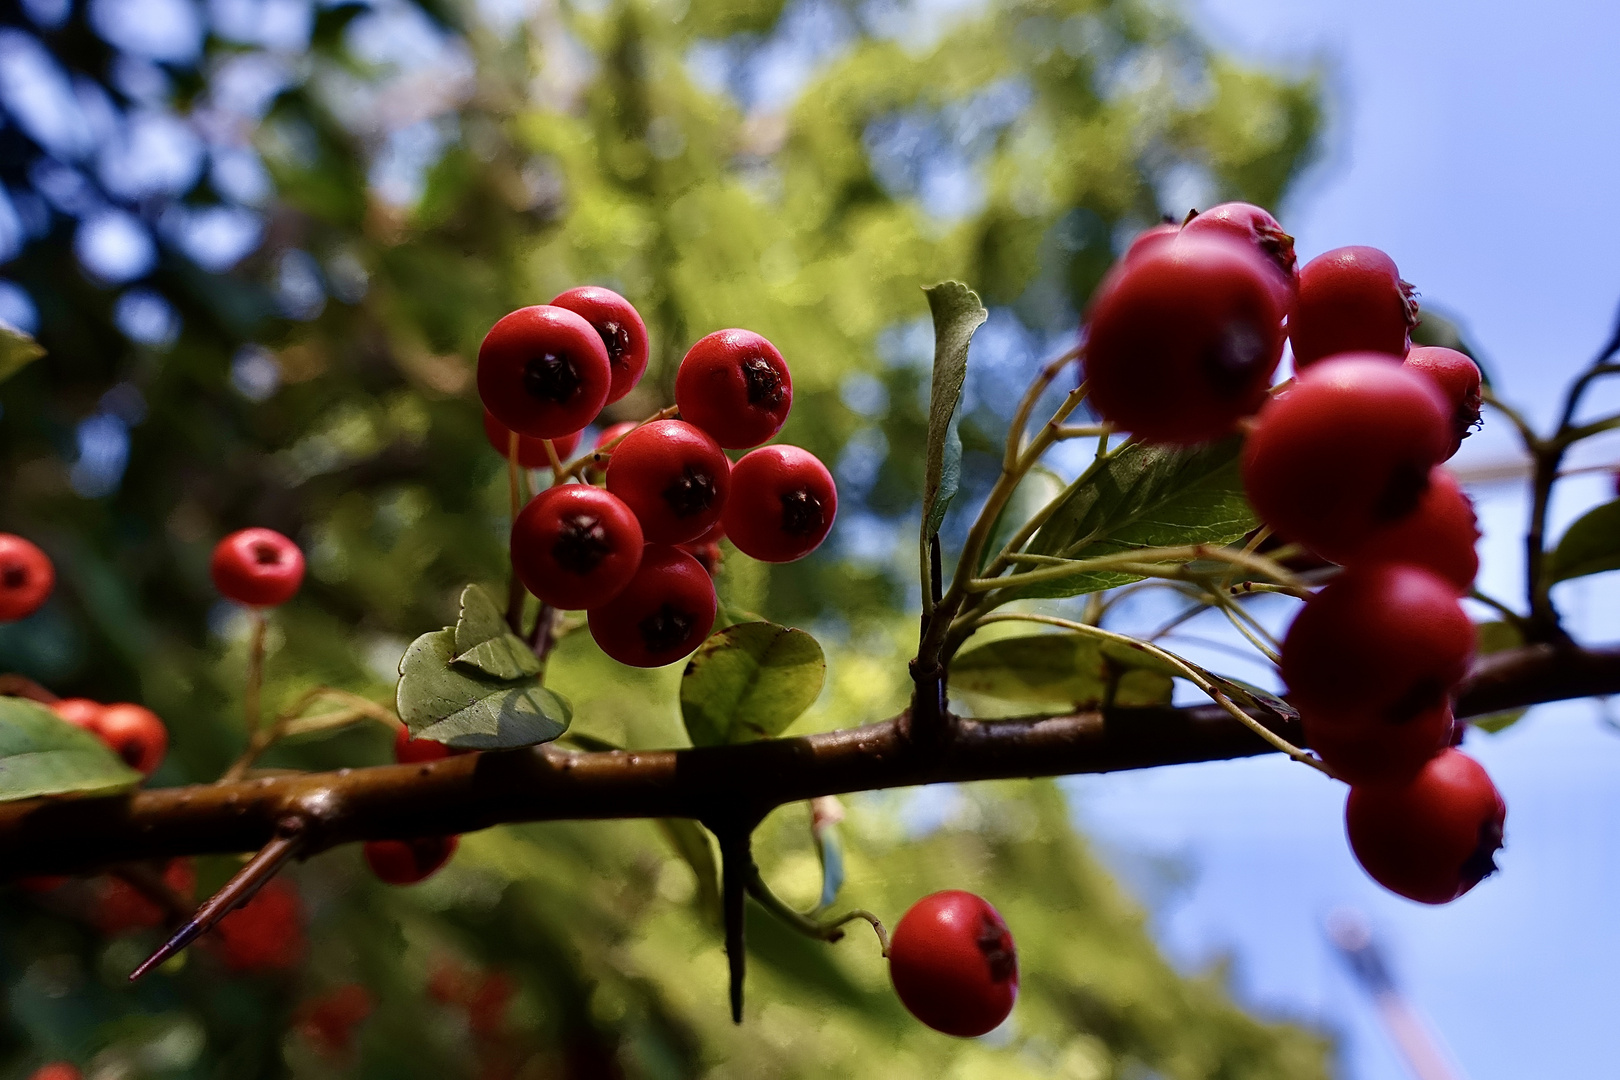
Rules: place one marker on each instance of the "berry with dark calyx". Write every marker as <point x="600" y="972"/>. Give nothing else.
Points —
<point x="1183" y="339"/>
<point x="1458" y="378"/>
<point x="576" y="546"/>
<point x="531" y="452"/>
<point x="673" y="477"/>
<point x="1251" y="225"/>
<point x="1438" y="536"/>
<point x="80" y="712"/>
<point x="135" y="734"/>
<point x="1351" y="299"/>
<point x="1432" y="837"/>
<point x="257" y="567"/>
<point x="26" y="578"/>
<point x="662" y="616"/>
<point x="1345" y="451"/>
<point x="543" y="371"/>
<point x="782" y="504"/>
<point x="953" y="963"/>
<point x="264" y="934"/>
<point x="619" y="325"/>
<point x="405" y="862"/>
<point x="1378" y="750"/>
<point x="734" y="385"/>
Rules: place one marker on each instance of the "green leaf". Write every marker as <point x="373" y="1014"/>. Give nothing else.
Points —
<point x="17" y="350"/>
<point x="1494" y="637"/>
<point x="750" y="681"/>
<point x="1591" y="546"/>
<point x="691" y="842"/>
<point x="484" y="640"/>
<point x="462" y="706"/>
<point x="1141" y="497"/>
<point x="42" y="754"/>
<point x="957" y="314"/>
<point x="1062" y="669"/>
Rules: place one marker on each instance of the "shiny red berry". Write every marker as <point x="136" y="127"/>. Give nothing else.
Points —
<point x="531" y="452"/>
<point x="734" y="385"/>
<point x="1364" y="750"/>
<point x="1251" y="225"/>
<point x="1345" y="451"/>
<point x="543" y="371"/>
<point x="26" y="578"/>
<point x="409" y="751"/>
<point x="662" y="616"/>
<point x="1183" y="339"/>
<point x="1351" y="299"/>
<point x="576" y="546"/>
<point x="264" y="934"/>
<point x="619" y="325"/>
<point x="782" y="504"/>
<point x="78" y="711"/>
<point x="57" y="1070"/>
<point x="1458" y="378"/>
<point x="1439" y="535"/>
<point x="674" y="478"/>
<point x="953" y="963"/>
<point x="1433" y="837"/>
<point x="257" y="567"/>
<point x="1149" y="238"/>
<point x="405" y="862"/>
<point x="135" y="733"/>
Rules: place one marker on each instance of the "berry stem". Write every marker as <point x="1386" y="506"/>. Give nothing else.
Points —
<point x="291" y="722"/>
<point x="828" y="930"/>
<point x="595" y="457"/>
<point x="255" y="672"/>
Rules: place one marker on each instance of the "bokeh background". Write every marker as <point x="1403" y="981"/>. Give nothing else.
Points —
<point x="262" y="239"/>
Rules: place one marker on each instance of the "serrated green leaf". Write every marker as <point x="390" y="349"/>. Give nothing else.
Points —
<point x="484" y="640"/>
<point x="463" y="707"/>
<point x="17" y="350"/>
<point x="750" y="681"/>
<point x="1063" y="669"/>
<point x="957" y="314"/>
<point x="691" y="842"/>
<point x="1591" y="546"/>
<point x="42" y="754"/>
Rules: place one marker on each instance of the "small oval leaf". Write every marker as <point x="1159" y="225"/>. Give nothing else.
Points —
<point x="1062" y="669"/>
<point x="42" y="754"/>
<point x="463" y="707"/>
<point x="750" y="681"/>
<point x="1591" y="546"/>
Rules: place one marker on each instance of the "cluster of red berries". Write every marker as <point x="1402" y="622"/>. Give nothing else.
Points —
<point x="1183" y="342"/>
<point x="133" y="732"/>
<point x="953" y="963"/>
<point x="638" y="553"/>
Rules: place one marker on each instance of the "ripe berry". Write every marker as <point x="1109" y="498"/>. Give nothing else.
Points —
<point x="80" y="712"/>
<point x="328" y="1021"/>
<point x="1433" y="837"/>
<point x="1378" y="750"/>
<point x="674" y="477"/>
<point x="1253" y="226"/>
<point x="1351" y="299"/>
<point x="1379" y="643"/>
<point x="1458" y="378"/>
<point x="1183" y="339"/>
<point x="953" y="964"/>
<point x="1439" y="535"/>
<point x="264" y="934"/>
<point x="135" y="734"/>
<point x="734" y="385"/>
<point x="620" y="327"/>
<point x="576" y="546"/>
<point x="531" y="452"/>
<point x="662" y="615"/>
<point x="26" y="578"/>
<point x="782" y="504"/>
<point x="543" y="371"/>
<point x="405" y="862"/>
<point x="1345" y="451"/>
<point x="57" y="1070"/>
<point x="257" y="567"/>
<point x="409" y="751"/>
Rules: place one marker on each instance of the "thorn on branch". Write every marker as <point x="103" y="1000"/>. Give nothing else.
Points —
<point x="736" y="867"/>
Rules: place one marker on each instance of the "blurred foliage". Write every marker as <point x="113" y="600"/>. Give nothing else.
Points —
<point x="799" y="170"/>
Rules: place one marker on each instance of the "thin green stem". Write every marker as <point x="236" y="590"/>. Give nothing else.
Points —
<point x="822" y="930"/>
<point x="255" y="671"/>
<point x="600" y="454"/>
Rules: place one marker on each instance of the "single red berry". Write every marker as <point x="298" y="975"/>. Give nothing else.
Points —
<point x="576" y="546"/>
<point x="1380" y="643"/>
<point x="674" y="478"/>
<point x="1433" y="837"/>
<point x="121" y="907"/>
<point x="953" y="963"/>
<point x="405" y="862"/>
<point x="1351" y="299"/>
<point x="662" y="615"/>
<point x="782" y="504"/>
<point x="135" y="734"/>
<point x="531" y="452"/>
<point x="619" y="325"/>
<point x="328" y="1021"/>
<point x="1251" y="225"/>
<point x="488" y="1002"/>
<point x="1149" y="238"/>
<point x="1458" y="378"/>
<point x="734" y="385"/>
<point x="57" y="1070"/>
<point x="1345" y="451"/>
<point x="543" y="371"/>
<point x="1438" y="536"/>
<point x="409" y="751"/>
<point x="81" y="712"/>
<point x="1183" y="339"/>
<point x="1378" y="750"/>
<point x="257" y="567"/>
<point x="266" y="933"/>
<point x="26" y="578"/>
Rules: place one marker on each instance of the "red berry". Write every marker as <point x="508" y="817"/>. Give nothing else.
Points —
<point x="1345" y="451"/>
<point x="1439" y="535"/>
<point x="1253" y="226"/>
<point x="489" y="1001"/>
<point x="708" y="555"/>
<point x="405" y="862"/>
<point x="734" y="385"/>
<point x="257" y="567"/>
<point x="543" y="371"/>
<point x="1458" y="378"/>
<point x="576" y="546"/>
<point x="619" y="325"/>
<point x="662" y="615"/>
<point x="674" y="477"/>
<point x="610" y="437"/>
<point x="26" y="578"/>
<point x="266" y="933"/>
<point x="1351" y="299"/>
<point x="1380" y="643"/>
<point x="531" y="452"/>
<point x="1183" y="339"/>
<point x="57" y="1070"/>
<point x="328" y="1021"/>
<point x="782" y="504"/>
<point x="120" y="907"/>
<point x="135" y="734"/>
<point x="409" y="751"/>
<point x="1433" y="837"/>
<point x="1363" y="751"/>
<point x="953" y="964"/>
<point x="81" y="712"/>
<point x="1149" y="238"/>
